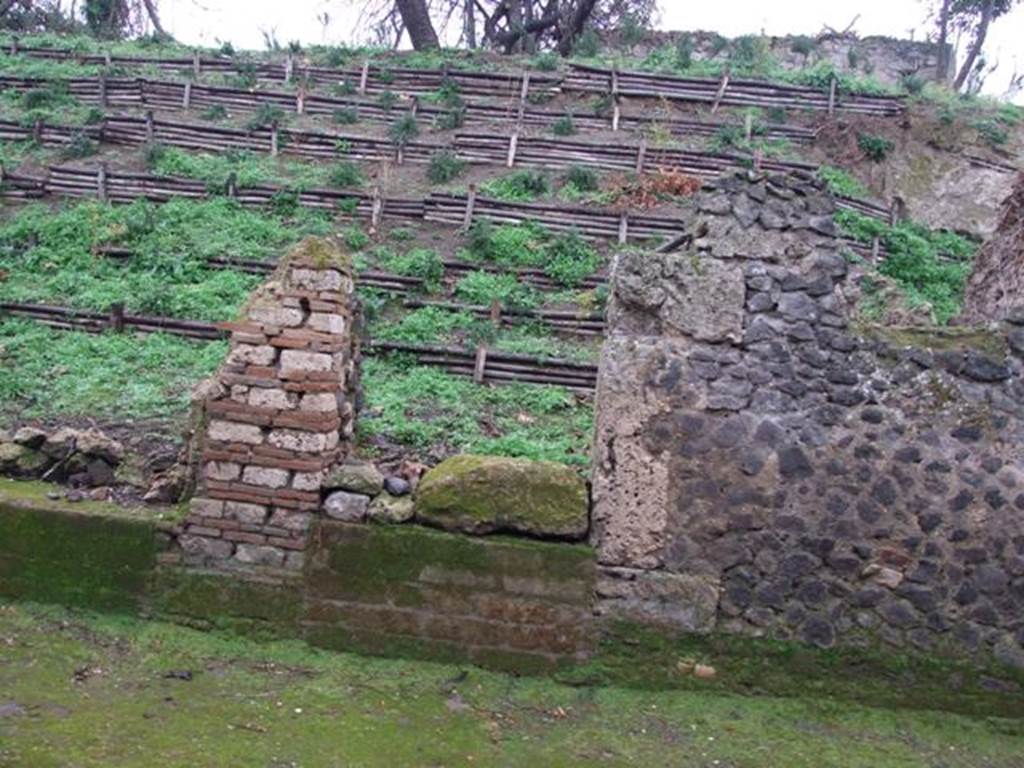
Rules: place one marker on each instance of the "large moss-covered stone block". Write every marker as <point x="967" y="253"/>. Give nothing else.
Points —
<point x="486" y="494"/>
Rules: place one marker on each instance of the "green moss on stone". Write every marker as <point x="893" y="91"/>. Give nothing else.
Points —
<point x="57" y="556"/>
<point x="384" y="563"/>
<point x="946" y="339"/>
<point x="483" y="494"/>
<point x="321" y="253"/>
<point x="634" y="655"/>
<point x="230" y="601"/>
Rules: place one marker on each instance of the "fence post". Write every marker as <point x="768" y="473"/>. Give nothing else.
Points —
<point x="524" y="92"/>
<point x="289" y="65"/>
<point x="467" y="219"/>
<point x="414" y="106"/>
<point x="186" y="98"/>
<point x="106" y="58"/>
<point x="300" y="100"/>
<point x="876" y="248"/>
<point x="496" y="313"/>
<point x="273" y="139"/>
<point x="641" y="155"/>
<point x="480" y="364"/>
<point x="37" y="132"/>
<point x="748" y="126"/>
<point x="721" y="91"/>
<point x="117" y="317"/>
<point x="623" y="228"/>
<point x="103" y="89"/>
<point x="196" y="64"/>
<point x="232" y="185"/>
<point x="150" y="127"/>
<point x="893" y="212"/>
<point x="14" y="45"/>
<point x="513" y="143"/>
<point x="101" y="183"/>
<point x="376" y="210"/>
<point x="364" y="75"/>
<point x="616" y="109"/>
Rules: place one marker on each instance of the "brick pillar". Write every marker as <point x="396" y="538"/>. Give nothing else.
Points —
<point x="278" y="415"/>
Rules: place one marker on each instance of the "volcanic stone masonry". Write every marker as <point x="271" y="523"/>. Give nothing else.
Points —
<point x="277" y="415"/>
<point x="767" y="464"/>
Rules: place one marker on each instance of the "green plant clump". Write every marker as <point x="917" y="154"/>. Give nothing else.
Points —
<point x="564" y="126"/>
<point x="930" y="266"/>
<point x="483" y="288"/>
<point x="875" y="147"/>
<point x="521" y="186"/>
<point x="444" y="166"/>
<point x="423" y="263"/>
<point x="345" y="174"/>
<point x="841" y="182"/>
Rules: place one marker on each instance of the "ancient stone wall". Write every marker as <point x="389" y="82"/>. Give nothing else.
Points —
<point x="765" y="464"/>
<point x="995" y="288"/>
<point x="888" y="59"/>
<point x="277" y="415"/>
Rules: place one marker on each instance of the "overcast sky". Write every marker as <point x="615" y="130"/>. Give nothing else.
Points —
<point x="242" y="22"/>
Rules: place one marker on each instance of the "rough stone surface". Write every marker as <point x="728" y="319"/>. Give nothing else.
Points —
<point x="346" y="507"/>
<point x="832" y="482"/>
<point x="356" y="476"/>
<point x="386" y="508"/>
<point x="485" y="494"/>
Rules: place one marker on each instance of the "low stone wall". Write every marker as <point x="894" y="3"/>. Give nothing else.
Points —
<point x="501" y="602"/>
<point x="766" y="466"/>
<point x="277" y="416"/>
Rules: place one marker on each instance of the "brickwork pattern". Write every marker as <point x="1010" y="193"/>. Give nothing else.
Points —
<point x="279" y="416"/>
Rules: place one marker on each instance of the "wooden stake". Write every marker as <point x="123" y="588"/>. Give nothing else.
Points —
<point x="300" y="101"/>
<point x="467" y="219"/>
<point x="14" y="46"/>
<point x="289" y="65"/>
<point x="524" y="92"/>
<point x="414" y="107"/>
<point x="480" y="365"/>
<point x="721" y="92"/>
<point x="186" y="98"/>
<point x="106" y="58"/>
<point x="364" y="76"/>
<point x="101" y="183"/>
<point x="117" y="317"/>
<point x="513" y="143"/>
<point x="875" y="248"/>
<point x="232" y="184"/>
<point x="748" y="126"/>
<point x="273" y="140"/>
<point x="376" y="210"/>
<point x="623" y="228"/>
<point x="196" y="64"/>
<point x="832" y="95"/>
<point x="641" y="155"/>
<point x="150" y="127"/>
<point x="893" y="213"/>
<point x="37" y="132"/>
<point x="496" y="313"/>
<point x="616" y="109"/>
<point x="103" y="89"/>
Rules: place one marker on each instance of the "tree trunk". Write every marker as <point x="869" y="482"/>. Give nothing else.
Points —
<point x="417" y="21"/>
<point x="976" y="45"/>
<point x="469" y="24"/>
<point x="942" y="68"/>
<point x="155" y="18"/>
<point x="577" y="21"/>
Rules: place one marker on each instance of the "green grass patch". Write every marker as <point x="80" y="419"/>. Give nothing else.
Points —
<point x="439" y="414"/>
<point x="566" y="258"/>
<point x="483" y="287"/>
<point x="48" y="254"/>
<point x="280" y="703"/>
<point x="59" y="374"/>
<point x="249" y="168"/>
<point x="840" y="182"/>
